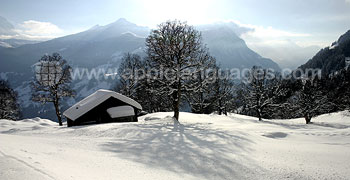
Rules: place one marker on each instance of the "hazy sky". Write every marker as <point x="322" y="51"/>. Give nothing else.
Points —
<point x="299" y="22"/>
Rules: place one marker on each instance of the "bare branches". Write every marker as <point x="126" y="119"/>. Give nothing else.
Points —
<point x="262" y="93"/>
<point x="127" y="71"/>
<point x="310" y="100"/>
<point x="51" y="84"/>
<point x="176" y="46"/>
<point x="9" y="108"/>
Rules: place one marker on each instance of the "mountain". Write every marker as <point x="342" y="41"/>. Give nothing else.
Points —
<point x="90" y="48"/>
<point x="7" y="32"/>
<point x="101" y="48"/>
<point x="6" y="28"/>
<point x="113" y="30"/>
<point x="13" y="43"/>
<point x="331" y="59"/>
<point x="287" y="53"/>
<point x="100" y="44"/>
<point x="230" y="50"/>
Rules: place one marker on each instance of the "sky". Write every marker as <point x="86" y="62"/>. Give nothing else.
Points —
<point x="276" y="24"/>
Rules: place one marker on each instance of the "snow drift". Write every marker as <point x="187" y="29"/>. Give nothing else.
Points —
<point x="157" y="147"/>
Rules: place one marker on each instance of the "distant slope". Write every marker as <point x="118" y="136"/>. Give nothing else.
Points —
<point x="331" y="59"/>
<point x="6" y="28"/>
<point x="230" y="50"/>
<point x="86" y="49"/>
<point x="13" y="43"/>
<point x="8" y="34"/>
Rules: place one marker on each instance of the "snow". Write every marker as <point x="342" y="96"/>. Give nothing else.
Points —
<point x="95" y="99"/>
<point x="4" y="75"/>
<point x="129" y="33"/>
<point x="334" y="45"/>
<point x="5" y="45"/>
<point x="199" y="147"/>
<point x="121" y="111"/>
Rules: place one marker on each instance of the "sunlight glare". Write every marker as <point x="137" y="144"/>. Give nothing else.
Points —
<point x="192" y="11"/>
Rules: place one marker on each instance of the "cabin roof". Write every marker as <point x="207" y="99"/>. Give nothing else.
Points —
<point x="94" y="100"/>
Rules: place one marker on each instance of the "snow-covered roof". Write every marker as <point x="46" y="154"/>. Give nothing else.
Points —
<point x="121" y="111"/>
<point x="94" y="100"/>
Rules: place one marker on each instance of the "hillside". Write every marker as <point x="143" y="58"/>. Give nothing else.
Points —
<point x="96" y="46"/>
<point x="230" y="50"/>
<point x="14" y="43"/>
<point x="201" y="147"/>
<point x="331" y="59"/>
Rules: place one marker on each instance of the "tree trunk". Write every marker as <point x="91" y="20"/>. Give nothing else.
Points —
<point x="58" y="114"/>
<point x="176" y="114"/>
<point x="176" y="104"/>
<point x="201" y="110"/>
<point x="307" y="119"/>
<point x="220" y="106"/>
<point x="225" y="111"/>
<point x="176" y="108"/>
<point x="259" y="115"/>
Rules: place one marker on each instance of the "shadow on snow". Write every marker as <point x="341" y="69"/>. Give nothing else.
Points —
<point x="191" y="149"/>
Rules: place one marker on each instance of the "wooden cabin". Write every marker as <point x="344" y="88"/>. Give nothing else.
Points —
<point x="103" y="106"/>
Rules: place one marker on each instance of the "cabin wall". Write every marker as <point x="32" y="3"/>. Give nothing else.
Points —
<point x="99" y="114"/>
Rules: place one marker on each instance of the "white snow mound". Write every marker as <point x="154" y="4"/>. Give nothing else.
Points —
<point x="196" y="147"/>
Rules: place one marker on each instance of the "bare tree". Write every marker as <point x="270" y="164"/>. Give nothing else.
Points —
<point x="262" y="90"/>
<point x="128" y="74"/>
<point x="337" y="87"/>
<point x="311" y="101"/>
<point x="151" y="98"/>
<point x="9" y="108"/>
<point x="134" y="82"/>
<point x="51" y="84"/>
<point x="202" y="94"/>
<point x="223" y="95"/>
<point x="174" y="46"/>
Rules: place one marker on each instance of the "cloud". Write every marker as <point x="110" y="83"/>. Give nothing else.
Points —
<point x="267" y="32"/>
<point x="38" y="30"/>
<point x="35" y="30"/>
<point x="288" y="49"/>
<point x="32" y="27"/>
<point x="287" y="53"/>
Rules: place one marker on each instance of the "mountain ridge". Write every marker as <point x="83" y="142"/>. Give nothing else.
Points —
<point x="233" y="48"/>
<point x="6" y="28"/>
<point x="103" y="47"/>
<point x="331" y="58"/>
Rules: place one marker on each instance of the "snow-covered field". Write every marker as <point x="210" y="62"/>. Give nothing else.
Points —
<point x="201" y="147"/>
